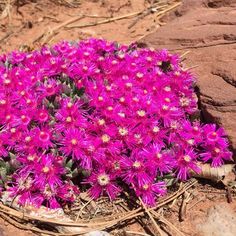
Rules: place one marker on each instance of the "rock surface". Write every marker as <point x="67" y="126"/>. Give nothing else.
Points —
<point x="206" y="28"/>
<point x="220" y="221"/>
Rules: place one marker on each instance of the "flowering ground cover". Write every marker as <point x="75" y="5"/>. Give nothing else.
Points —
<point x="99" y="117"/>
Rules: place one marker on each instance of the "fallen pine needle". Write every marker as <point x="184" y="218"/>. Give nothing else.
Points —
<point x="57" y="28"/>
<point x="151" y="217"/>
<point x="184" y="54"/>
<point x="105" y="21"/>
<point x="161" y="13"/>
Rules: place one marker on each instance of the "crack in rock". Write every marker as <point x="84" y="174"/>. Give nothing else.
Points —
<point x="227" y="78"/>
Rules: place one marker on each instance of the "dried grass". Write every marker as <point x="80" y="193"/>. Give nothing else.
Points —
<point x="91" y="216"/>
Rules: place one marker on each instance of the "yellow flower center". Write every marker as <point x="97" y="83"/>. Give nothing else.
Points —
<point x="101" y="122"/>
<point x="13" y="130"/>
<point x="129" y="85"/>
<point x="3" y="102"/>
<point x="100" y="98"/>
<point x="158" y="155"/>
<point x="135" y="99"/>
<point x="187" y="158"/>
<point x="190" y="141"/>
<point x="156" y="129"/>
<point x="145" y="186"/>
<point x="85" y="68"/>
<point x="69" y="104"/>
<point x="217" y="150"/>
<point x="167" y="89"/>
<point x="136" y="164"/>
<point x="108" y="88"/>
<point x="121" y="114"/>
<point x="8" y="117"/>
<point x="122" y="99"/>
<point x="110" y="108"/>
<point x="141" y="113"/>
<point x="7" y="81"/>
<point x="105" y="138"/>
<point x="214" y="134"/>
<point x="68" y="119"/>
<point x="30" y="158"/>
<point x="86" y="54"/>
<point x="28" y="101"/>
<point x="46" y="169"/>
<point x="74" y="141"/>
<point x="167" y="100"/>
<point x="52" y="61"/>
<point x="28" y="139"/>
<point x="22" y="93"/>
<point x="123" y="131"/>
<point x="184" y="102"/>
<point x="165" y="108"/>
<point x="139" y="75"/>
<point x="103" y="179"/>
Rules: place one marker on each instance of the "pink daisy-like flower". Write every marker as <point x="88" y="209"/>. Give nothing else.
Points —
<point x="186" y="162"/>
<point x="42" y="115"/>
<point x="73" y="143"/>
<point x="160" y="161"/>
<point x="103" y="182"/>
<point x="217" y="155"/>
<point x="48" y="171"/>
<point x="212" y="134"/>
<point x="43" y="137"/>
<point x="136" y="170"/>
<point x="149" y="192"/>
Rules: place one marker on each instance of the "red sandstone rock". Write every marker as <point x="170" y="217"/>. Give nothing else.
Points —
<point x="208" y="30"/>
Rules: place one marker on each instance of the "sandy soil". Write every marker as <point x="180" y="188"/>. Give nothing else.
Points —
<point x="24" y="25"/>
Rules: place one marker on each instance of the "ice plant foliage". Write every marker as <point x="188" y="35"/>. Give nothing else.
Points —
<point x="116" y="114"/>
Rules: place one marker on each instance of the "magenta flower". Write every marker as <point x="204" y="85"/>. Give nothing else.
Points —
<point x="160" y="161"/>
<point x="43" y="137"/>
<point x="48" y="171"/>
<point x="212" y="134"/>
<point x="149" y="192"/>
<point x="103" y="182"/>
<point x="136" y="170"/>
<point x="115" y="113"/>
<point x="186" y="162"/>
<point x="217" y="155"/>
<point x="73" y="143"/>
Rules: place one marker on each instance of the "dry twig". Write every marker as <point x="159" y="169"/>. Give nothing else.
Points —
<point x="161" y="13"/>
<point x="183" y="208"/>
<point x="168" y="223"/>
<point x="54" y="30"/>
<point x="151" y="217"/>
<point x="147" y="12"/>
<point x="105" y="21"/>
<point x="94" y="224"/>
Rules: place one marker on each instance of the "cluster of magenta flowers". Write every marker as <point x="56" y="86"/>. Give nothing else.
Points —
<point x="100" y="117"/>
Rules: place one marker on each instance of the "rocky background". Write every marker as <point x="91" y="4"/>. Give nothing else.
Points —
<point x="206" y="30"/>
